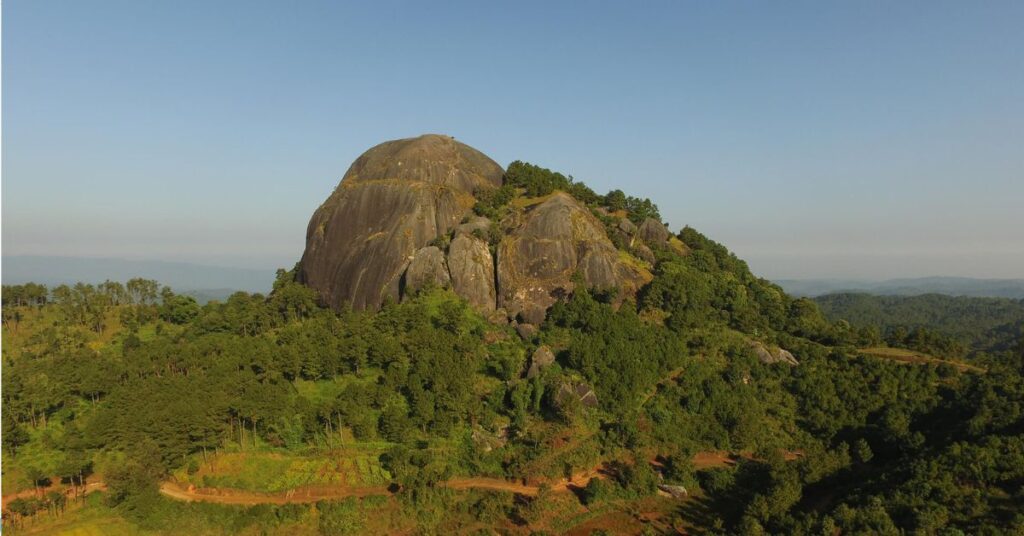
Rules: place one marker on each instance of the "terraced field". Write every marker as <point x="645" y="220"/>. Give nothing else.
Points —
<point x="274" y="472"/>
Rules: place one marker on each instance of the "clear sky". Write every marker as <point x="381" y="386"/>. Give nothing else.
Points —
<point x="815" y="139"/>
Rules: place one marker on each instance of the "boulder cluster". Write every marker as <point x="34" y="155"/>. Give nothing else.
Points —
<point x="401" y="219"/>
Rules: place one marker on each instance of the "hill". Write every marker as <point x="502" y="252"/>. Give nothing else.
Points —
<point x="951" y="286"/>
<point x="203" y="281"/>
<point x="976" y="324"/>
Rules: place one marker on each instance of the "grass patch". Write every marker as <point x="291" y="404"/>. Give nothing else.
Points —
<point x="903" y="355"/>
<point x="328" y="390"/>
<point x="91" y="519"/>
<point x="273" y="472"/>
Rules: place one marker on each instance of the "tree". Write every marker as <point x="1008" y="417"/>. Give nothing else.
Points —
<point x="178" y="309"/>
<point x="14" y="434"/>
<point x="142" y="291"/>
<point x="56" y="502"/>
<point x="37" y="477"/>
<point x="615" y="200"/>
<point x="75" y="467"/>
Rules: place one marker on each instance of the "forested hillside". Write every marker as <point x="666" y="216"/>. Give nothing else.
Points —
<point x="710" y="402"/>
<point x="967" y="325"/>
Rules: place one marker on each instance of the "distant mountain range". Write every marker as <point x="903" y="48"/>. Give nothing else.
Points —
<point x="203" y="282"/>
<point x="952" y="286"/>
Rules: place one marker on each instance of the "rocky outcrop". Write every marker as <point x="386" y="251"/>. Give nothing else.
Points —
<point x="526" y="331"/>
<point x="580" y="391"/>
<point x="556" y="239"/>
<point x="394" y="200"/>
<point x="369" y="241"/>
<point x="769" y="357"/>
<point x="644" y="253"/>
<point x="472" y="271"/>
<point x="677" y="492"/>
<point x="653" y="232"/>
<point x="428" y="267"/>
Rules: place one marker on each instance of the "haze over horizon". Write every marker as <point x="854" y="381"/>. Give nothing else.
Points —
<point x="814" y="141"/>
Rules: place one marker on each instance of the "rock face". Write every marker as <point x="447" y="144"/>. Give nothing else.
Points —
<point x="472" y="271"/>
<point x="394" y="199"/>
<point x="428" y="266"/>
<point x="557" y="238"/>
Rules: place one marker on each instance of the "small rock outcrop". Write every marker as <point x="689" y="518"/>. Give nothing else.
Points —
<point x="557" y="239"/>
<point x="526" y="331"/>
<point x="581" y="391"/>
<point x="677" y="492"/>
<point x="769" y="357"/>
<point x="394" y="200"/>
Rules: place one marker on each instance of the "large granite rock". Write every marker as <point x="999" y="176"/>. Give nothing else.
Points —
<point x="369" y="241"/>
<point x="627" y="226"/>
<point x="428" y="267"/>
<point x="394" y="200"/>
<point x="554" y="240"/>
<point x="472" y="271"/>
<point x="653" y="232"/>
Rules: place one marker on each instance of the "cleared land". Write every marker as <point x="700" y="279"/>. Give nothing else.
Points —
<point x="917" y="358"/>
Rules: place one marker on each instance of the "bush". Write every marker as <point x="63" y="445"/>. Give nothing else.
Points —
<point x="598" y="490"/>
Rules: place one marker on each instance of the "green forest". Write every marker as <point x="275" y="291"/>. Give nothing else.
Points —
<point x="659" y="414"/>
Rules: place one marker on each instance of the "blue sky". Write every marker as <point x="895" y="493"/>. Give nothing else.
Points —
<point x="815" y="139"/>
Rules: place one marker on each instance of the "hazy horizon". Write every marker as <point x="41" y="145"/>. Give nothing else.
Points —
<point x="814" y="141"/>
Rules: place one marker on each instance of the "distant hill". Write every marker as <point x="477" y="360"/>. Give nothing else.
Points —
<point x="950" y="286"/>
<point x="990" y="324"/>
<point x="201" y="281"/>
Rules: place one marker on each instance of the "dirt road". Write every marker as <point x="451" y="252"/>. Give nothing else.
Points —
<point x="67" y="490"/>
<point x="312" y="494"/>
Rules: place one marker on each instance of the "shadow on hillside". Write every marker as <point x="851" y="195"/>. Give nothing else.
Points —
<point x="698" y="515"/>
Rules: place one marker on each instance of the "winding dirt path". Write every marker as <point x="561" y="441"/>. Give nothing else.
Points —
<point x="67" y="490"/>
<point x="176" y="491"/>
<point x="244" y="497"/>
